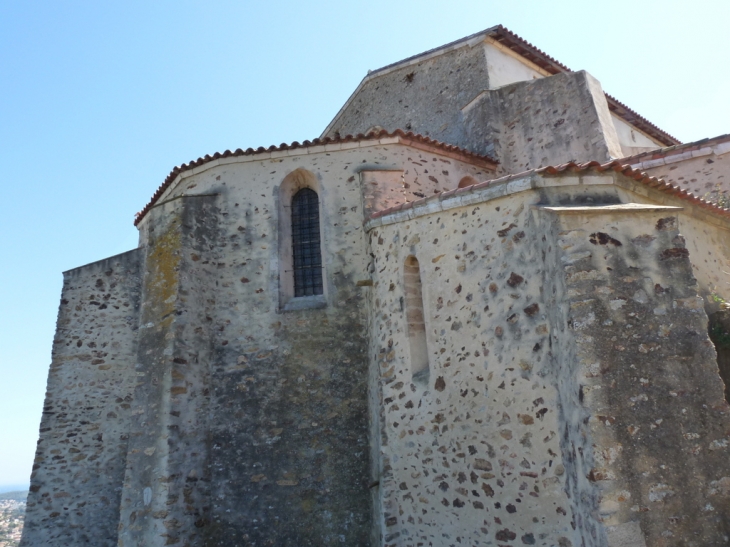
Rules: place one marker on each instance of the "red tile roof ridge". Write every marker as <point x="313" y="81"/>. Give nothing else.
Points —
<point x="573" y="167"/>
<point x="675" y="149"/>
<point x="505" y="33"/>
<point x="406" y="136"/>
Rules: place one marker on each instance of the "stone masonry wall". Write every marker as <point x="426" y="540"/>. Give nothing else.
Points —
<point x="288" y="437"/>
<point x="575" y="445"/>
<point x="166" y="488"/>
<point x="525" y="125"/>
<point x="470" y="453"/>
<point x="262" y="414"/>
<point x="426" y="98"/>
<point x="646" y="425"/>
<point x="210" y="343"/>
<point x="707" y="240"/>
<point x="421" y="176"/>
<point x="704" y="171"/>
<point x="79" y="466"/>
<point x="548" y="121"/>
<point x="626" y="370"/>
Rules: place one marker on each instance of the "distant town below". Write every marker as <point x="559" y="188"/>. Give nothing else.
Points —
<point x="12" y="517"/>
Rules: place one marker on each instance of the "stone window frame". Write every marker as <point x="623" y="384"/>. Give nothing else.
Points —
<point x="291" y="184"/>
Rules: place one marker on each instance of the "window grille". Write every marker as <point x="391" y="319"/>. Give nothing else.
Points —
<point x="306" y="243"/>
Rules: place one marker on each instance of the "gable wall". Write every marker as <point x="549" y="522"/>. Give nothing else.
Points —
<point x="425" y="97"/>
<point x="506" y="67"/>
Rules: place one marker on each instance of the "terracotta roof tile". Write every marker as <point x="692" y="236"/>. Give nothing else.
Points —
<point x="617" y="165"/>
<point x="405" y="138"/>
<point x="675" y="150"/>
<point x="524" y="48"/>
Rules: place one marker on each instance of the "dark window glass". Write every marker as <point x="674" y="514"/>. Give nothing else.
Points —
<point x="305" y="243"/>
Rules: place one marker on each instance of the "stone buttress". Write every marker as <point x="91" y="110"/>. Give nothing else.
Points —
<point x="166" y="487"/>
<point x="644" y="422"/>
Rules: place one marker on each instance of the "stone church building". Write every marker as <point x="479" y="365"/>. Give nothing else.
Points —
<point x="482" y="320"/>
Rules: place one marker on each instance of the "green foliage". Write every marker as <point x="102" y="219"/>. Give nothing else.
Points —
<point x="719" y="336"/>
<point x="718" y="196"/>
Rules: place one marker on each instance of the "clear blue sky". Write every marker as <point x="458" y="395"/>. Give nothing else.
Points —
<point x="99" y="100"/>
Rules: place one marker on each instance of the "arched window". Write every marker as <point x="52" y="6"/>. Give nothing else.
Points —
<point x="415" y="319"/>
<point x="306" y="249"/>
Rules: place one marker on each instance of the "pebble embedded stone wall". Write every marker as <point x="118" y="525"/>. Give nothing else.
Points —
<point x="421" y="176"/>
<point x="473" y="454"/>
<point x="705" y="171"/>
<point x="561" y="347"/>
<point x="79" y="466"/>
<point x="707" y="240"/>
<point x="619" y="355"/>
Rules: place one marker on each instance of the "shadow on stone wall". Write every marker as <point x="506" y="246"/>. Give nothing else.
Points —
<point x="719" y="330"/>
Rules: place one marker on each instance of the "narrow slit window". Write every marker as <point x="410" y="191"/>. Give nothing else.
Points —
<point x="306" y="250"/>
<point x="415" y="319"/>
